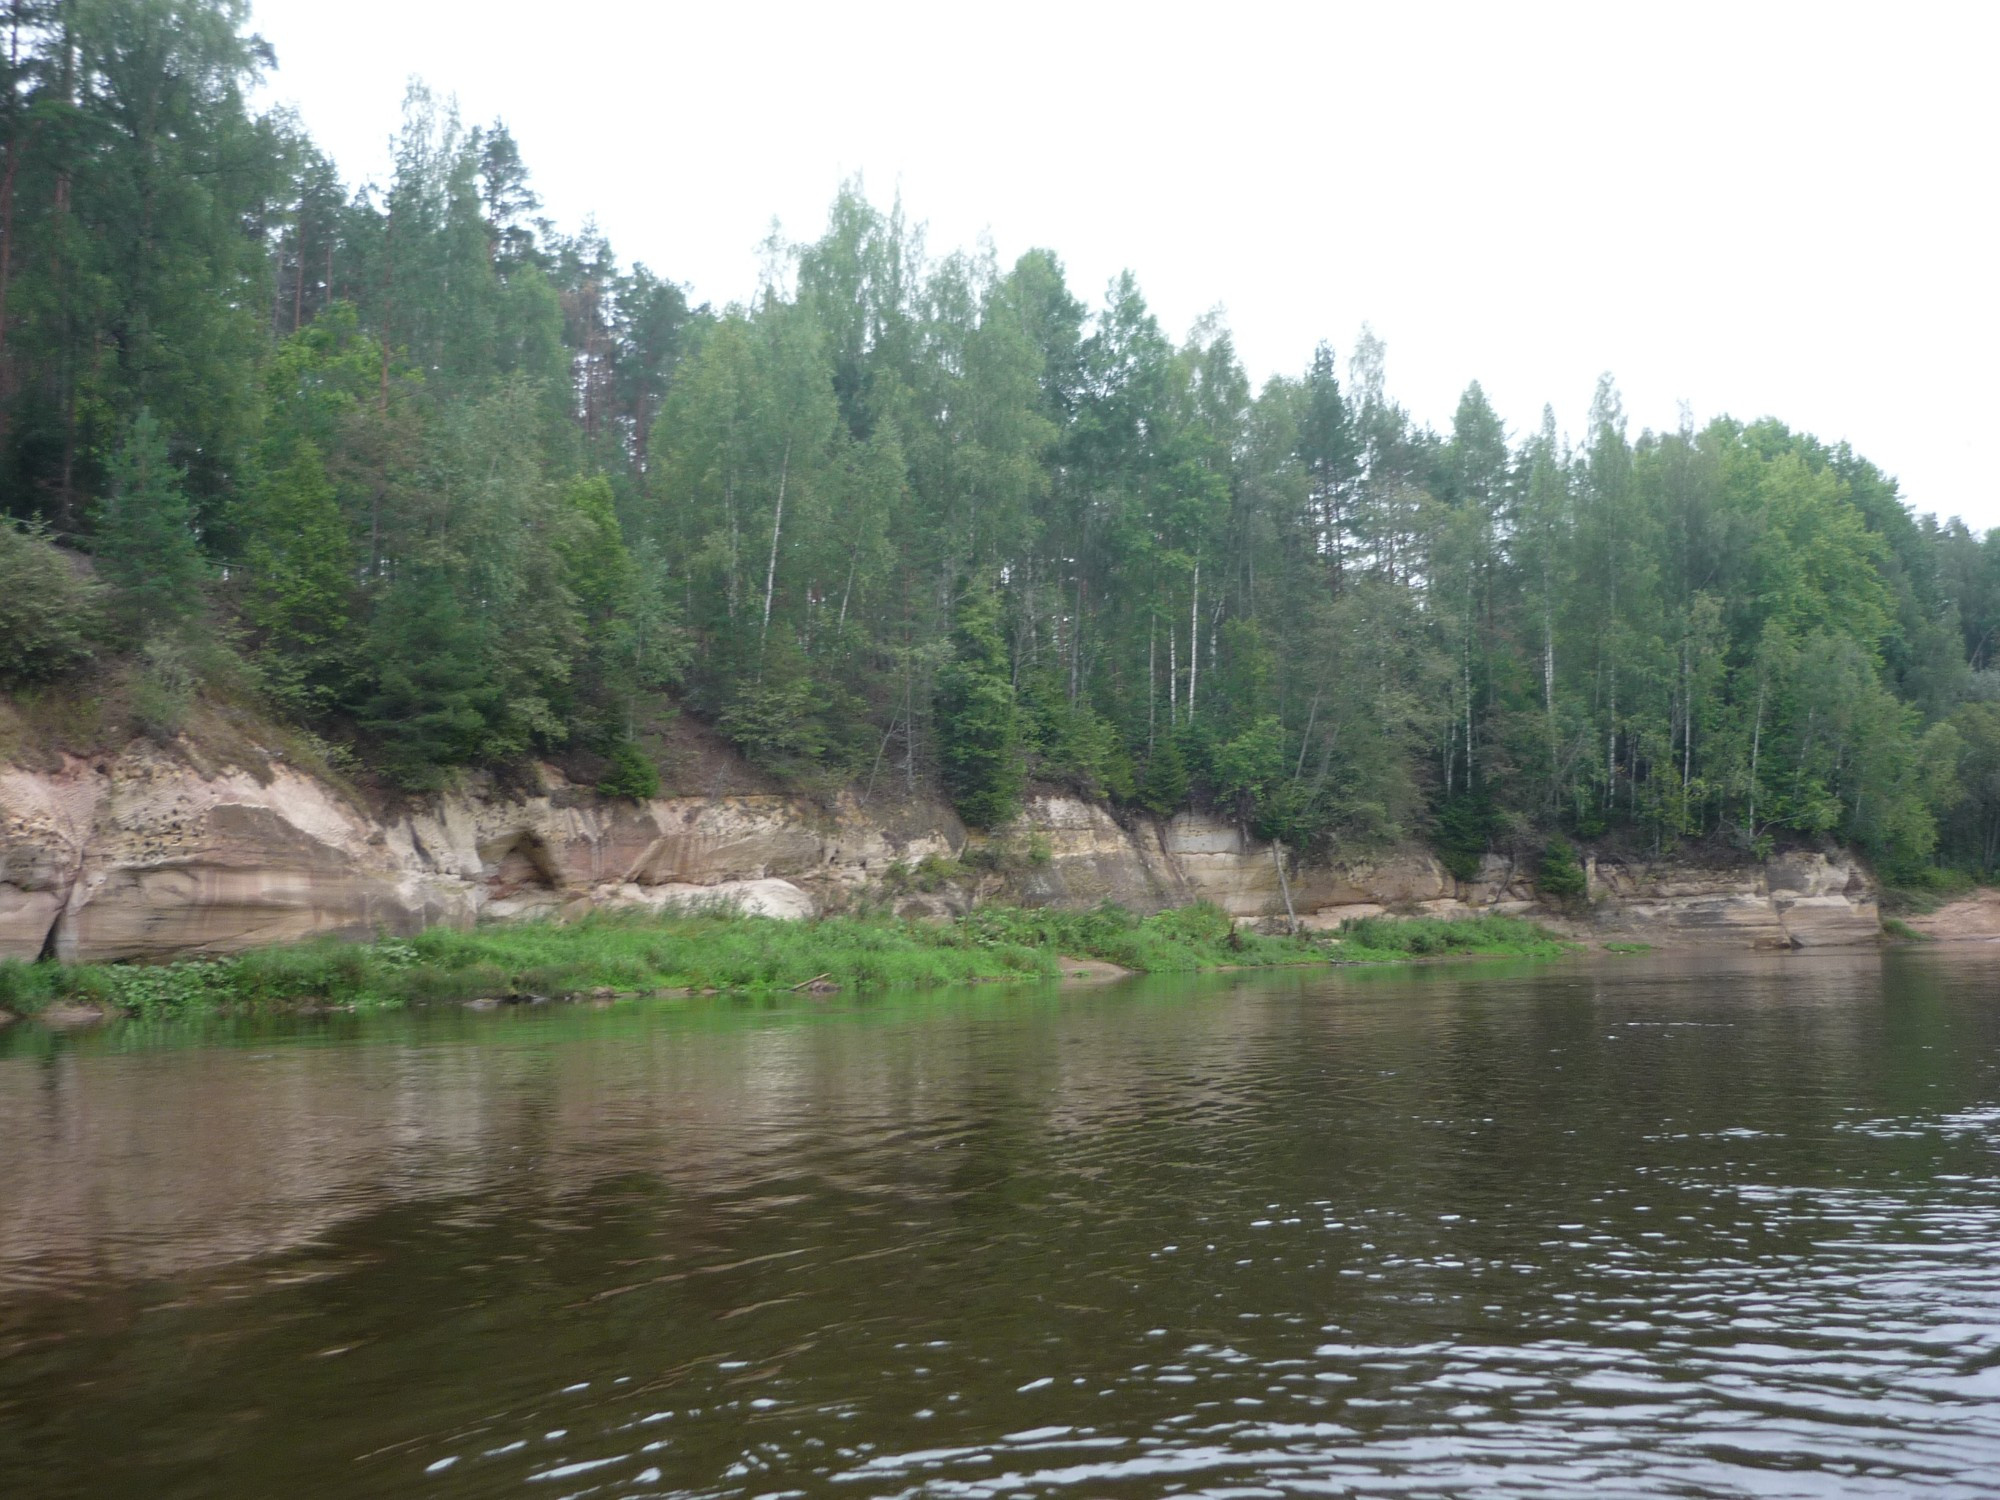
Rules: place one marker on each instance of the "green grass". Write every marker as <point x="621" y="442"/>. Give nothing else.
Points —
<point x="718" y="952"/>
<point x="1173" y="942"/>
<point x="1921" y="892"/>
<point x="1903" y="931"/>
<point x="1388" y="939"/>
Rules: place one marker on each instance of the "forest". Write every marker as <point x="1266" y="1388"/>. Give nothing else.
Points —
<point x="447" y="486"/>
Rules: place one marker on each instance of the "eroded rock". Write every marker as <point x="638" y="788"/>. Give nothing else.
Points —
<point x="149" y="854"/>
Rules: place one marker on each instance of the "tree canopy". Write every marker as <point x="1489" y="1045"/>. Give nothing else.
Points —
<point x="463" y="489"/>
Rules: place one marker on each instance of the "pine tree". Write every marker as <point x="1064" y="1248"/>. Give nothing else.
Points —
<point x="978" y="721"/>
<point x="145" y="544"/>
<point x="434" y="703"/>
<point x="1165" y="787"/>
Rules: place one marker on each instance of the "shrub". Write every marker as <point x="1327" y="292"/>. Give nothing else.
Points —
<point x="978" y="720"/>
<point x="632" y="775"/>
<point x="1427" y="937"/>
<point x="1203" y="922"/>
<point x="49" y="611"/>
<point x="1464" y="831"/>
<point x="984" y="858"/>
<point x="933" y="872"/>
<point x="24" y="988"/>
<point x="1560" y="875"/>
<point x="163" y="690"/>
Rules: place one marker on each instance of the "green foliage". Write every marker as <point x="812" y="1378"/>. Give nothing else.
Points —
<point x="978" y="724"/>
<point x="1068" y="742"/>
<point x="301" y="580"/>
<point x="933" y="873"/>
<point x="1560" y="874"/>
<point x="163" y="688"/>
<point x="1176" y="941"/>
<point x="434" y="704"/>
<point x="1375" y="939"/>
<point x="1973" y="811"/>
<point x="145" y="543"/>
<point x="1164" y="790"/>
<point x="25" y="989"/>
<point x="778" y="716"/>
<point x="475" y="491"/>
<point x="50" y="613"/>
<point x="632" y="776"/>
<point x="1250" y="770"/>
<point x="1465" y="827"/>
<point x="695" y="951"/>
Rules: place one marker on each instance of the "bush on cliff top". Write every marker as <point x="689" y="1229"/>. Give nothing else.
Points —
<point x="49" y="610"/>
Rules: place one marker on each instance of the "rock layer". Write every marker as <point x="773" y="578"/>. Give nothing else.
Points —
<point x="150" y="855"/>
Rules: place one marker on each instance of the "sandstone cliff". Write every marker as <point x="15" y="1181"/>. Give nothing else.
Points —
<point x="151" y="853"/>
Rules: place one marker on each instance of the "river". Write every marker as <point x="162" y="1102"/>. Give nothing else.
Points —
<point x="1653" y="1224"/>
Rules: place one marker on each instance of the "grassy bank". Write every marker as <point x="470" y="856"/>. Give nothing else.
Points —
<point x="713" y="952"/>
<point x="1393" y="939"/>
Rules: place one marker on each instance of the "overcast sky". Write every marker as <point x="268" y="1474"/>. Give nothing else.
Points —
<point x="1782" y="210"/>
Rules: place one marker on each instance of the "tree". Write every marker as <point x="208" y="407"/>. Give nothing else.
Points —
<point x="1975" y="838"/>
<point x="978" y="721"/>
<point x="49" y="610"/>
<point x="434" y="704"/>
<point x="1165" y="787"/>
<point x="300" y="568"/>
<point x="146" y="546"/>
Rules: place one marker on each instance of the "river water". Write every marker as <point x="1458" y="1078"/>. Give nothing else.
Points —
<point x="1612" y="1226"/>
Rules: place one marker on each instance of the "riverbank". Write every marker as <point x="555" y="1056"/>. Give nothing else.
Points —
<point x="610" y="955"/>
<point x="213" y="846"/>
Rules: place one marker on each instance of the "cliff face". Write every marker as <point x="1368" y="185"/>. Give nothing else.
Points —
<point x="148" y="854"/>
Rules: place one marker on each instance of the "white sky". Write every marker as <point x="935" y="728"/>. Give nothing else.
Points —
<point x="1783" y="209"/>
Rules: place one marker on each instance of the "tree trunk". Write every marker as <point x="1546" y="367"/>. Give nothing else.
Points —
<point x="1468" y="714"/>
<point x="777" y="525"/>
<point x="1756" y="742"/>
<point x="1549" y="693"/>
<point x="7" y="180"/>
<point x="299" y="281"/>
<point x="1194" y="638"/>
<point x="1285" y="885"/>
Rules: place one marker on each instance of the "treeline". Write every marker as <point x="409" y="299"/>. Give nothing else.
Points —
<point x="453" y="488"/>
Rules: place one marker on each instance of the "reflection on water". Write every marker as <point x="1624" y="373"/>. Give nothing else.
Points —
<point x="1689" y="1226"/>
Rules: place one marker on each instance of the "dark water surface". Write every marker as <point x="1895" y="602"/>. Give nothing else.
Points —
<point x="1675" y="1226"/>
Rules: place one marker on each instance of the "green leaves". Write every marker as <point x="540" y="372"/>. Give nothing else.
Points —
<point x="1560" y="874"/>
<point x="632" y="775"/>
<point x="476" y="493"/>
<point x="145" y="544"/>
<point x="978" y="722"/>
<point x="50" y="612"/>
<point x="299" y="592"/>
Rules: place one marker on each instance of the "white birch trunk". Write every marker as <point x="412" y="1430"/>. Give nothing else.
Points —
<point x="1194" y="638"/>
<point x="777" y="525"/>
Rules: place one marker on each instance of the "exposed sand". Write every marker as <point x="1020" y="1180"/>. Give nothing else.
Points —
<point x="1975" y="918"/>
